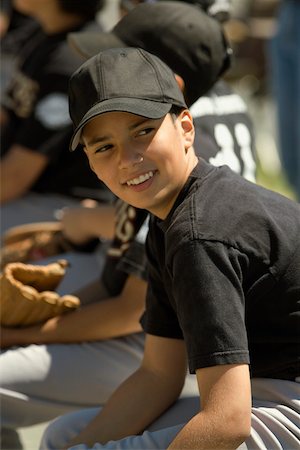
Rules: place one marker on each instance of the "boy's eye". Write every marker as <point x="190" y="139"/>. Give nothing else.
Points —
<point x="103" y="149"/>
<point x="145" y="131"/>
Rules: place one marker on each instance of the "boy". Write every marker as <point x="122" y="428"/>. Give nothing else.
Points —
<point x="224" y="269"/>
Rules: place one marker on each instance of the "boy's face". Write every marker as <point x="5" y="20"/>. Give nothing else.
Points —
<point x="144" y="162"/>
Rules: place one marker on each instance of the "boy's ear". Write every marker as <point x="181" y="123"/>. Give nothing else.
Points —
<point x="186" y="118"/>
<point x="180" y="82"/>
<point x="187" y="126"/>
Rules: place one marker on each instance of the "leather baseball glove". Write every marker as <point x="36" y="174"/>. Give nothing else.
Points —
<point x="36" y="241"/>
<point x="32" y="242"/>
<point x="27" y="294"/>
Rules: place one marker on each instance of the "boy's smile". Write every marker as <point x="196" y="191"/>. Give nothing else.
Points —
<point x="141" y="181"/>
<point x="145" y="162"/>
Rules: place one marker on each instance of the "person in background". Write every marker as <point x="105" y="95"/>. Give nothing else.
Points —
<point x="10" y="19"/>
<point x="5" y="17"/>
<point x="13" y="25"/>
<point x="35" y="122"/>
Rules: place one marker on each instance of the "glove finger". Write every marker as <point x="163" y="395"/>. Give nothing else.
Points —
<point x="40" y="277"/>
<point x="70" y="301"/>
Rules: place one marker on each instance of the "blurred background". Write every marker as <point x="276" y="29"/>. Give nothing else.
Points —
<point x="253" y="26"/>
<point x="250" y="31"/>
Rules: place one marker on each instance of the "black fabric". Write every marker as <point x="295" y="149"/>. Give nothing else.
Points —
<point x="125" y="255"/>
<point x="133" y="260"/>
<point x="37" y="104"/>
<point x="224" y="273"/>
<point x="109" y="90"/>
<point x="224" y="130"/>
<point x="185" y="38"/>
<point x="18" y="24"/>
<point x="190" y="42"/>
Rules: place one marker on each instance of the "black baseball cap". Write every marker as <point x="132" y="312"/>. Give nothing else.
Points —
<point x="189" y="41"/>
<point x="121" y="79"/>
<point x="220" y="9"/>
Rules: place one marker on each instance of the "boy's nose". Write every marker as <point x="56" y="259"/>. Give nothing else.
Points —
<point x="129" y="157"/>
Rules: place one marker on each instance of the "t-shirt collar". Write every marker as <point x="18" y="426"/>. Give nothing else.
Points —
<point x="199" y="172"/>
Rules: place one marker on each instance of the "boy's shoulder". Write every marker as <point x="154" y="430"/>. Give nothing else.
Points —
<point x="217" y="204"/>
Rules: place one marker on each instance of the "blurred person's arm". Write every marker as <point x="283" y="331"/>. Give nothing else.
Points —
<point x="82" y="224"/>
<point x="20" y="168"/>
<point x="41" y="127"/>
<point x="4" y="23"/>
<point x="5" y="16"/>
<point x="143" y="397"/>
<point x="107" y="318"/>
<point x="4" y="118"/>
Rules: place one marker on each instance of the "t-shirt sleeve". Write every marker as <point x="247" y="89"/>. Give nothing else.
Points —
<point x="207" y="298"/>
<point x="134" y="260"/>
<point x="49" y="118"/>
<point x="159" y="317"/>
<point x="210" y="303"/>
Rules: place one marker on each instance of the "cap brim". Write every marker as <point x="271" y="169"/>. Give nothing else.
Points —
<point x="140" y="107"/>
<point x="88" y="44"/>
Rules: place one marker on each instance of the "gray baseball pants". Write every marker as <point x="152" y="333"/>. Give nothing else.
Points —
<point x="275" y="422"/>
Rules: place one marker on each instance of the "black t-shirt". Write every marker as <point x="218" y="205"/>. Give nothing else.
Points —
<point x="37" y="103"/>
<point x="224" y="274"/>
<point x="224" y="135"/>
<point x="17" y="20"/>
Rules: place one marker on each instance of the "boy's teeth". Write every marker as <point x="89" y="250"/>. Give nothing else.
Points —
<point x="140" y="179"/>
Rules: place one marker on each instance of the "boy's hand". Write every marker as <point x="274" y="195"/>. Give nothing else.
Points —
<point x="74" y="224"/>
<point x="81" y="224"/>
<point x="157" y="384"/>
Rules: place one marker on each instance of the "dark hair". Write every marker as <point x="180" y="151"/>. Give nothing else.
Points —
<point x="175" y="111"/>
<point x="85" y="8"/>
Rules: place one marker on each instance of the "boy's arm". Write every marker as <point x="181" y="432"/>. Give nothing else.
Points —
<point x="106" y="319"/>
<point x="225" y="417"/>
<point x="143" y="396"/>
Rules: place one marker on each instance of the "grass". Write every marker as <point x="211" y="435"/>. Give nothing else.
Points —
<point x="275" y="181"/>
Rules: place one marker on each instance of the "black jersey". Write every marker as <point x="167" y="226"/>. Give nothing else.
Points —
<point x="224" y="131"/>
<point x="37" y="103"/>
<point x="126" y="254"/>
<point x="224" y="274"/>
